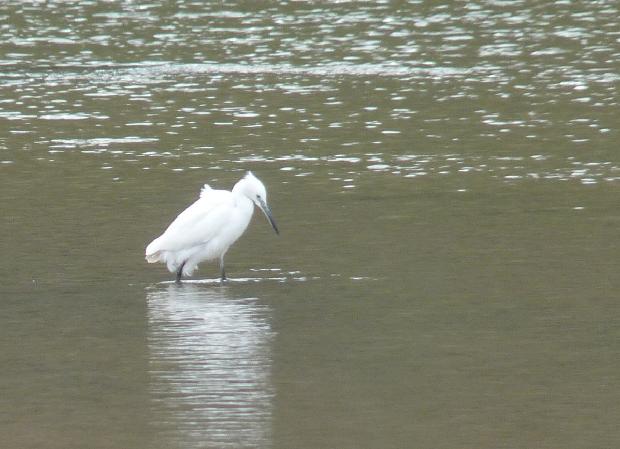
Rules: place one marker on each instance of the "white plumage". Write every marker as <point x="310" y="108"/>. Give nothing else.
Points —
<point x="208" y="227"/>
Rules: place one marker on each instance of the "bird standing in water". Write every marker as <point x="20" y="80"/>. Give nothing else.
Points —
<point x="207" y="228"/>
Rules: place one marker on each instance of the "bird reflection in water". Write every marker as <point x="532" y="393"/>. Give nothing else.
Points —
<point x="210" y="367"/>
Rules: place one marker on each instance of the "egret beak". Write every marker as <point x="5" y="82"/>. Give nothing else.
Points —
<point x="263" y="206"/>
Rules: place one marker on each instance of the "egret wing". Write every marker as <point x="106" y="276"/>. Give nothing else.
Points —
<point x="197" y="224"/>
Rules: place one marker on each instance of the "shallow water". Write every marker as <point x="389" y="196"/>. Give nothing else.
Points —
<point x="445" y="180"/>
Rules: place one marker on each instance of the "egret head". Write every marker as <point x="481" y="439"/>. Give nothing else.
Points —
<point x="254" y="189"/>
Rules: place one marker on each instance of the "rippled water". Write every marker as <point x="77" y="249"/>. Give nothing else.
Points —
<point x="445" y="177"/>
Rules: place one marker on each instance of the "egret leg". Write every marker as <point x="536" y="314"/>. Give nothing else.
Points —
<point x="222" y="270"/>
<point x="180" y="273"/>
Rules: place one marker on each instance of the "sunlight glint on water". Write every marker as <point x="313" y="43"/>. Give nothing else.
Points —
<point x="445" y="180"/>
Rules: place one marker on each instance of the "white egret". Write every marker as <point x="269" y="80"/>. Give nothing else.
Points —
<point x="207" y="228"/>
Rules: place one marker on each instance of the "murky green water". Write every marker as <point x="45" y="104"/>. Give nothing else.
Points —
<point x="446" y="180"/>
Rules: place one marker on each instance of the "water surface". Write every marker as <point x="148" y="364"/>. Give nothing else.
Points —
<point x="445" y="179"/>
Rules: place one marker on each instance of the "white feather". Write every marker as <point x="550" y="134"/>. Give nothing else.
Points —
<point x="205" y="190"/>
<point x="207" y="228"/>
